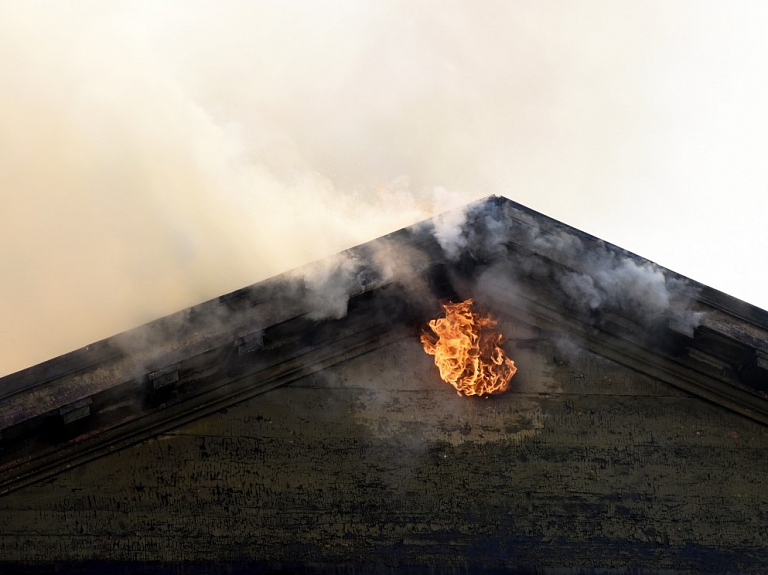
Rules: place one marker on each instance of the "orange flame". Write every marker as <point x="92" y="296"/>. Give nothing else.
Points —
<point x="468" y="351"/>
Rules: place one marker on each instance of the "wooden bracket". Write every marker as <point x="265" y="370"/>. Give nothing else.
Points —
<point x="164" y="377"/>
<point x="76" y="410"/>
<point x="251" y="342"/>
<point x="755" y="371"/>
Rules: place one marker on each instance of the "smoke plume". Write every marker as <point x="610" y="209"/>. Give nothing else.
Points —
<point x="157" y="154"/>
<point x="590" y="277"/>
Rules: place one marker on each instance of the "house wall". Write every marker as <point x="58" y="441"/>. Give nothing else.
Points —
<point x="584" y="464"/>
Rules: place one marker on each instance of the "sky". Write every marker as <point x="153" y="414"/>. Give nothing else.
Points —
<point x="157" y="154"/>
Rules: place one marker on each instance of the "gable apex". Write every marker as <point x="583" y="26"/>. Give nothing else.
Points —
<point x="572" y="288"/>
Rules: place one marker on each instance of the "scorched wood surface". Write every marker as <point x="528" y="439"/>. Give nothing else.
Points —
<point x="376" y="464"/>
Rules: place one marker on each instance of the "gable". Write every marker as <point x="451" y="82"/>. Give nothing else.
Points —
<point x="255" y="430"/>
<point x="584" y="462"/>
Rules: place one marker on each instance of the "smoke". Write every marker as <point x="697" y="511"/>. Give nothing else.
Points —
<point x="449" y="226"/>
<point x="330" y="289"/>
<point x="325" y="286"/>
<point x="588" y="276"/>
<point x="157" y="154"/>
<point x="618" y="283"/>
<point x="610" y="280"/>
<point x="146" y="168"/>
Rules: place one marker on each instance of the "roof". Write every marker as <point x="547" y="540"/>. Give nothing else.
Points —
<point x="577" y="290"/>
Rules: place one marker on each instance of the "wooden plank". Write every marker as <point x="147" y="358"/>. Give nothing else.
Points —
<point x="336" y="475"/>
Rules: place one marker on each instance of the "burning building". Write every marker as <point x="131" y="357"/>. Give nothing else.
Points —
<point x="298" y="425"/>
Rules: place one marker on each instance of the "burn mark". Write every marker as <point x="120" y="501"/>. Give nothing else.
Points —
<point x="440" y="284"/>
<point x="249" y="343"/>
<point x="77" y="410"/>
<point x="164" y="377"/>
<point x="755" y="371"/>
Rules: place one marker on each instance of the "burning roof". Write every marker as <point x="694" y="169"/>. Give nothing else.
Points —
<point x="509" y="259"/>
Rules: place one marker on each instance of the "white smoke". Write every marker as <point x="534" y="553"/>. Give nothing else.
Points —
<point x="581" y="289"/>
<point x="329" y="284"/>
<point x="449" y="226"/>
<point x="591" y="277"/>
<point x="618" y="282"/>
<point x="157" y="154"/>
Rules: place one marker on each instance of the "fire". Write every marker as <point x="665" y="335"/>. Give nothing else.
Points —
<point x="468" y="351"/>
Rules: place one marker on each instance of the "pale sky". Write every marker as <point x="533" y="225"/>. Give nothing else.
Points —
<point x="157" y="154"/>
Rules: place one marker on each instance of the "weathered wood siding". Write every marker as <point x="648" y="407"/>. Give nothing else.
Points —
<point x="375" y="462"/>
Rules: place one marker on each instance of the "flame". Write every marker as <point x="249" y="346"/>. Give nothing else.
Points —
<point x="468" y="351"/>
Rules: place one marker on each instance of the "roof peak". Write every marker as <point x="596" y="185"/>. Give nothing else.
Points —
<point x="509" y="257"/>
